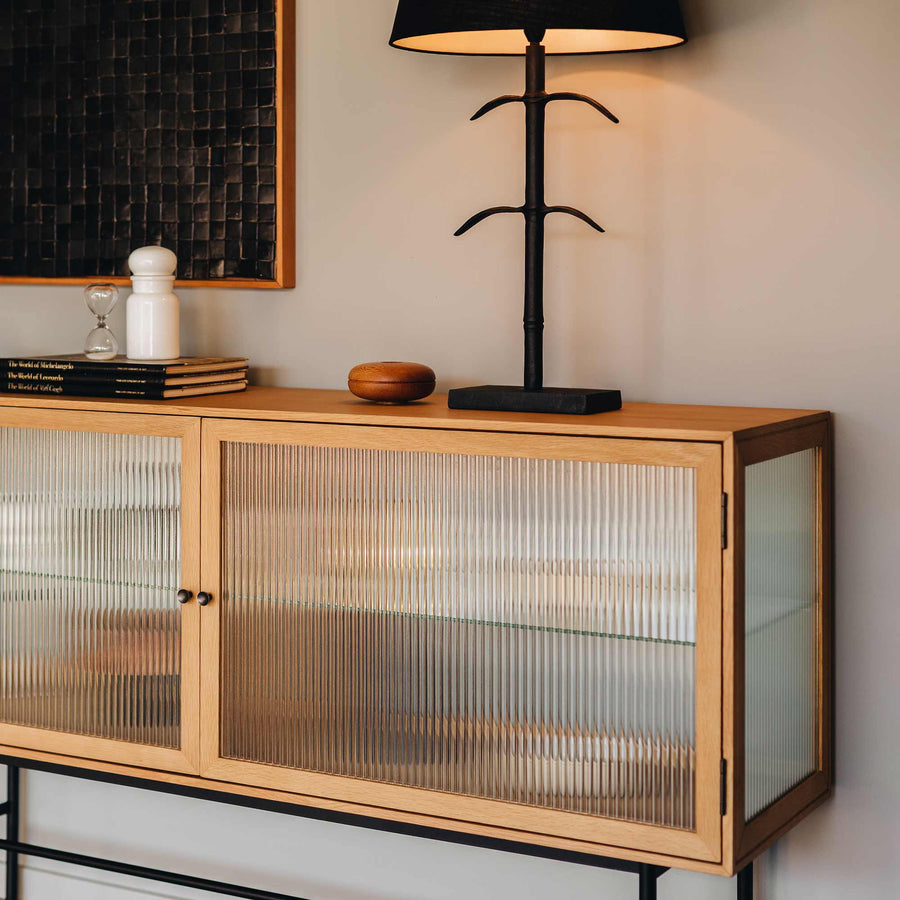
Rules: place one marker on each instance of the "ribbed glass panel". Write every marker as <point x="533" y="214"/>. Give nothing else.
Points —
<point x="503" y="628"/>
<point x="781" y="613"/>
<point x="90" y="549"/>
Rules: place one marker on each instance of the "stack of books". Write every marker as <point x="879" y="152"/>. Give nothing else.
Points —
<point x="78" y="376"/>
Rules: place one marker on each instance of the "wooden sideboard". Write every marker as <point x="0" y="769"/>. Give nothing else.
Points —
<point x="610" y="635"/>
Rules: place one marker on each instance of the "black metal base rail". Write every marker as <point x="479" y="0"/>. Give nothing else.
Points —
<point x="15" y="849"/>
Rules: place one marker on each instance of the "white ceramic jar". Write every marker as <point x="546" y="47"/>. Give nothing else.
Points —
<point x="151" y="314"/>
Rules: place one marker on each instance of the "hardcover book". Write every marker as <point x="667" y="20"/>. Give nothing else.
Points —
<point x="78" y="363"/>
<point x="149" y="392"/>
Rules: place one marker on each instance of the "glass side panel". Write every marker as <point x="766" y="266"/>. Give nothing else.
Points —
<point x="514" y="629"/>
<point x="780" y="618"/>
<point x="90" y="549"/>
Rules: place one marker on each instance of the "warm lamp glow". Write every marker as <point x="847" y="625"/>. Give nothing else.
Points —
<point x="558" y="41"/>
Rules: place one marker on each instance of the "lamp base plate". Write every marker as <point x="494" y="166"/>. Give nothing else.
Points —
<point x="565" y="401"/>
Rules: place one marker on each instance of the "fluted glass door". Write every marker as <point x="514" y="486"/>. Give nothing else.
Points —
<point x="94" y="547"/>
<point x="468" y="620"/>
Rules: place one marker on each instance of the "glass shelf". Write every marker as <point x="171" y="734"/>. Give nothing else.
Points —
<point x="777" y="615"/>
<point x="455" y="620"/>
<point x="105" y="583"/>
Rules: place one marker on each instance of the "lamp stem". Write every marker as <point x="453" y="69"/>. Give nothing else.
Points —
<point x="535" y="118"/>
<point x="533" y="396"/>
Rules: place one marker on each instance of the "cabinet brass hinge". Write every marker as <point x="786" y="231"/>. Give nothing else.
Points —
<point x="724" y="521"/>
<point x="724" y="786"/>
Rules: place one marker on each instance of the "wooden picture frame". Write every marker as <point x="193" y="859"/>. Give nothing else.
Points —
<point x="148" y="123"/>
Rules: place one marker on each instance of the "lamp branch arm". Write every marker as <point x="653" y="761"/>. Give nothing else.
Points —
<point x="496" y="103"/>
<point x="484" y="214"/>
<point x="583" y="98"/>
<point x="577" y="213"/>
<point x="545" y="99"/>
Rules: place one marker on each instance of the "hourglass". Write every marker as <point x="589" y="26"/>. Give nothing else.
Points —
<point x="101" y="343"/>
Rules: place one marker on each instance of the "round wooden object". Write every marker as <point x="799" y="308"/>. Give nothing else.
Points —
<point x="391" y="382"/>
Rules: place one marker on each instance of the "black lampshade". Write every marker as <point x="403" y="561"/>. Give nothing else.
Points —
<point x="496" y="27"/>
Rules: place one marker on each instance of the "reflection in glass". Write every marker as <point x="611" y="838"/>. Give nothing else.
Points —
<point x="515" y="629"/>
<point x="89" y="562"/>
<point x="781" y="611"/>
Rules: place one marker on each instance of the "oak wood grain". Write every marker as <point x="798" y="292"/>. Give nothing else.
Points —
<point x="718" y="441"/>
<point x="653" y="421"/>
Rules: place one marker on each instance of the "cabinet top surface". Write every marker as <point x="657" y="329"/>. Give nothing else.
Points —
<point x="641" y="420"/>
<point x="635" y="420"/>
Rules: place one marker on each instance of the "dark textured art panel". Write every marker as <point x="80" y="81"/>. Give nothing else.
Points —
<point x="133" y="122"/>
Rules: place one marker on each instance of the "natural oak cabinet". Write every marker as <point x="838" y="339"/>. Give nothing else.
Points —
<point x="99" y="527"/>
<point x="607" y="634"/>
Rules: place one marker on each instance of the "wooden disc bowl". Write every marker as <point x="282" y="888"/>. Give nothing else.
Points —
<point x="391" y="382"/>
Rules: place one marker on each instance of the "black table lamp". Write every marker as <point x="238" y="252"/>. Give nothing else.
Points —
<point x="535" y="28"/>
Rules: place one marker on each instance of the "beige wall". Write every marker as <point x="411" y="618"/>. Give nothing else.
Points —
<point x="753" y="205"/>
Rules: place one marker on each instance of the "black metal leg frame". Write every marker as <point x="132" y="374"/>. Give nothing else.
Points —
<point x="15" y="849"/>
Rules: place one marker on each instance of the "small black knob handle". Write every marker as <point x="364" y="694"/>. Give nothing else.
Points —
<point x="184" y="596"/>
<point x="204" y="599"/>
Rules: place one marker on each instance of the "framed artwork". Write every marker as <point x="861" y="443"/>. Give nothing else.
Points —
<point x="165" y="122"/>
